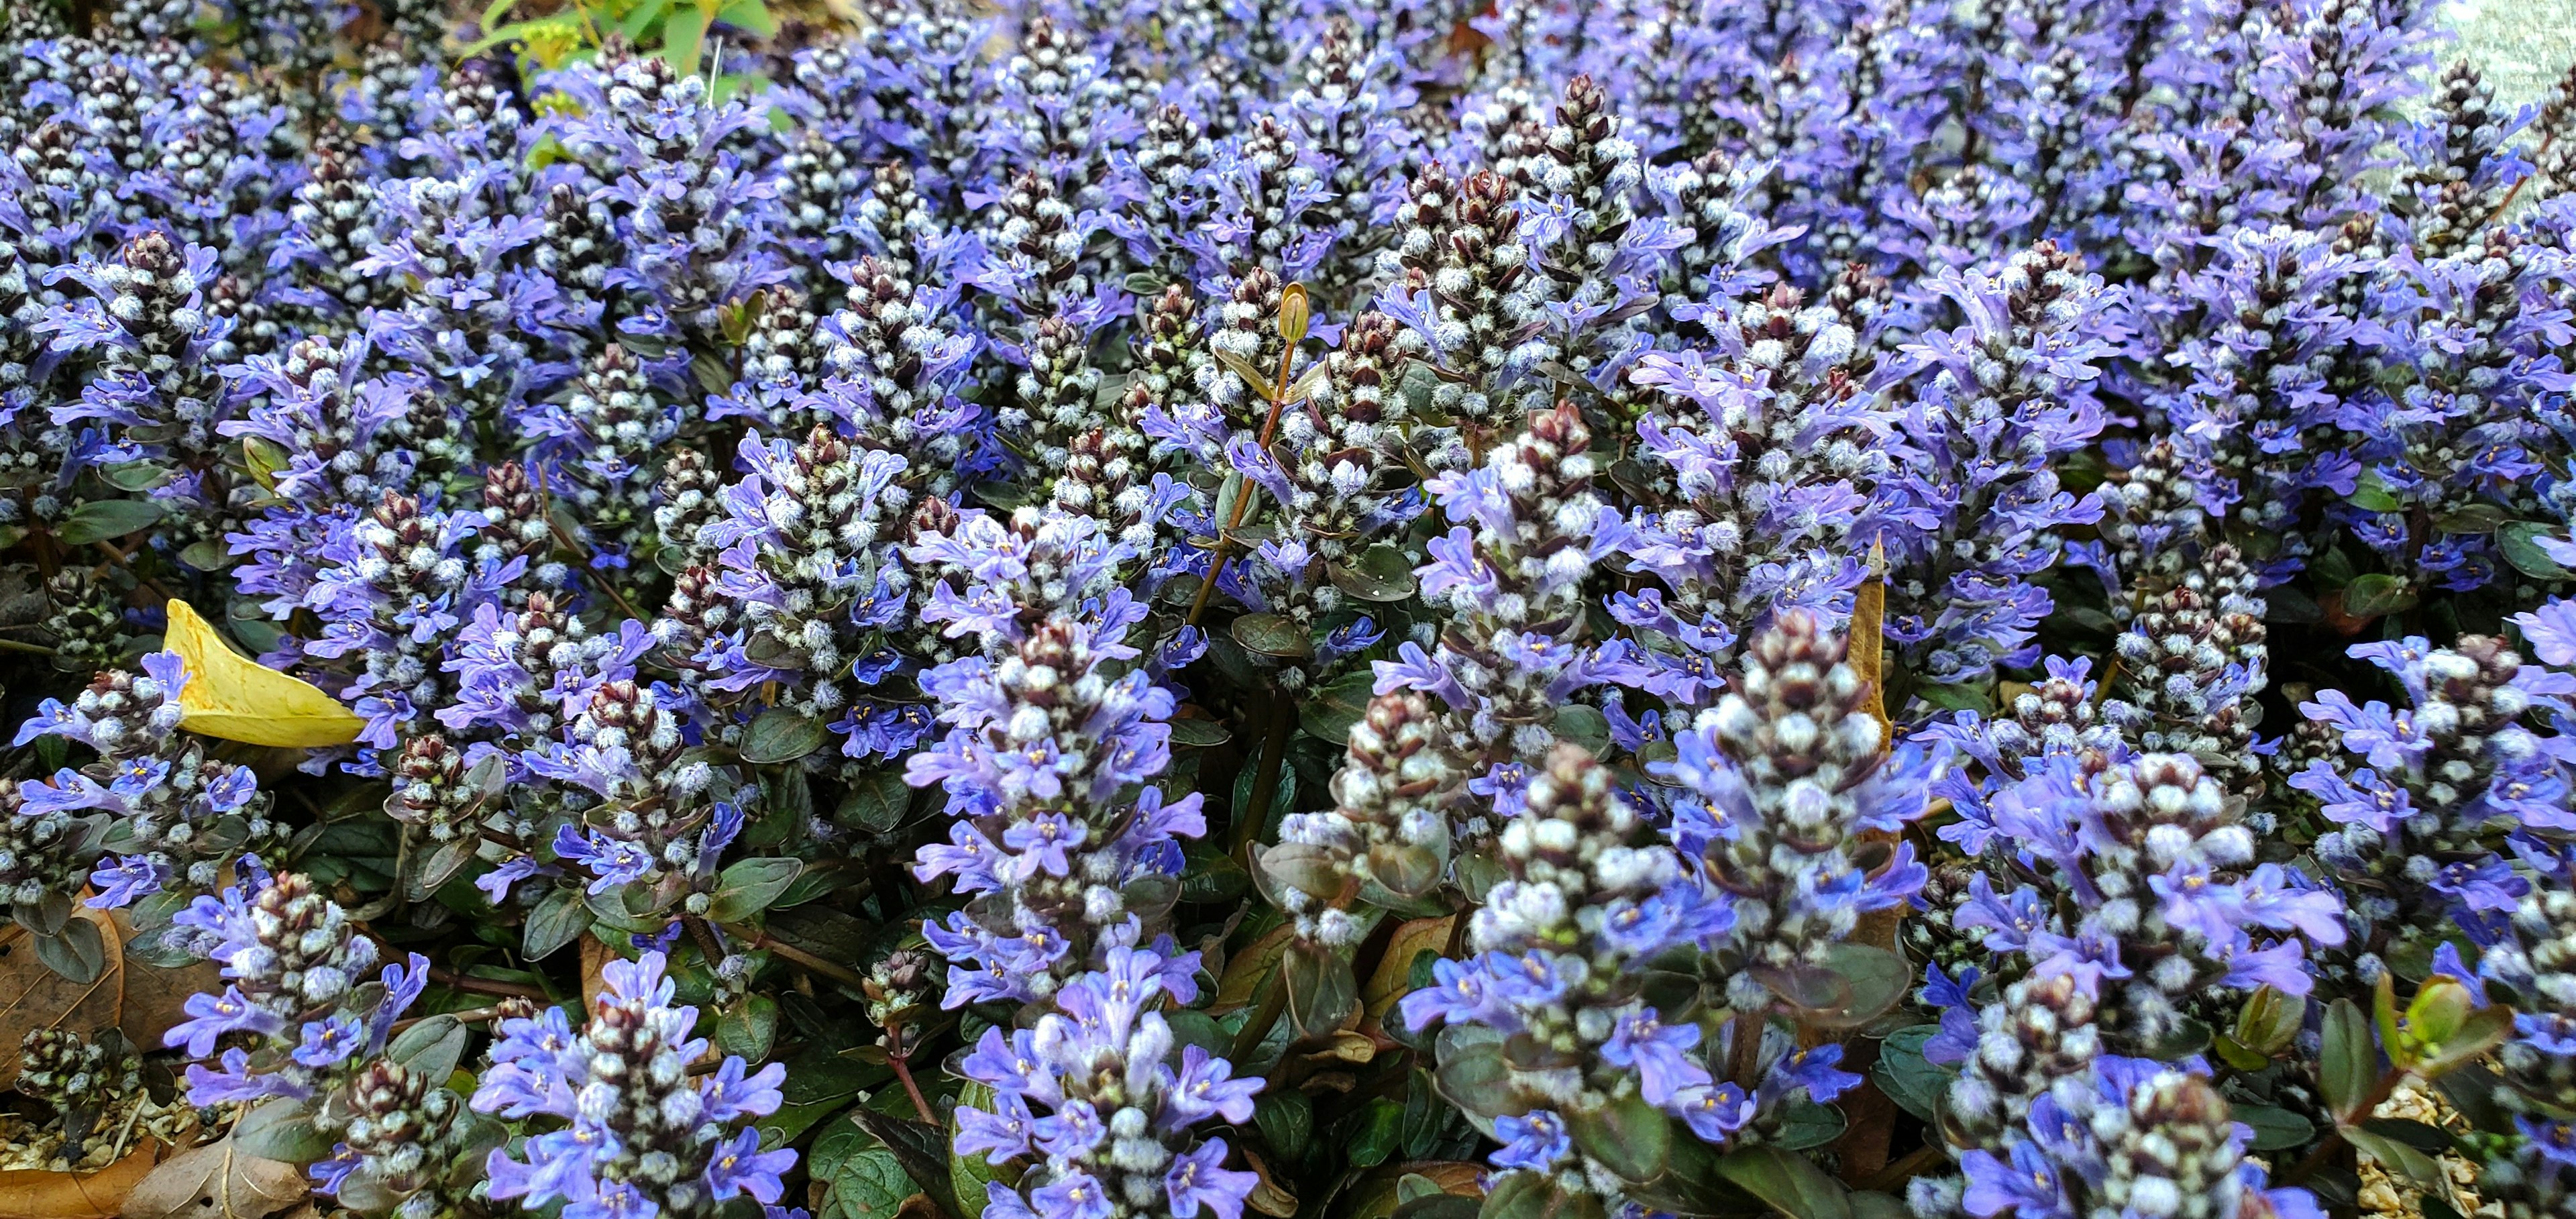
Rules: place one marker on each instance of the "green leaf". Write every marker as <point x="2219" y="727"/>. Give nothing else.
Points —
<point x="2349" y="1061"/>
<point x="876" y="803"/>
<point x="684" y="39"/>
<point x="137" y="476"/>
<point x="1808" y="1124"/>
<point x="2370" y="493"/>
<point x="1906" y="1076"/>
<point x="1577" y="724"/>
<point x="750" y="885"/>
<point x="781" y="735"/>
<point x="2519" y="542"/>
<point x="2275" y="1128"/>
<point x="749" y="1029"/>
<point x="557" y="920"/>
<point x="281" y="1129"/>
<point x="1531" y="1195"/>
<point x="1209" y="874"/>
<point x="870" y="1184"/>
<point x="1374" y="1132"/>
<point x="1380" y="573"/>
<point x="1628" y="1136"/>
<point x="2417" y="1168"/>
<point x="432" y="1048"/>
<point x="2375" y="595"/>
<point x="1286" y="1121"/>
<point x="1479" y="1080"/>
<point x="749" y="15"/>
<point x="921" y="1148"/>
<point x="1191" y="732"/>
<point x="77" y="952"/>
<point x="1787" y="1181"/>
<point x="101" y="519"/>
<point x="642" y="18"/>
<point x="1274" y="636"/>
<point x="2471" y="518"/>
<point x="968" y="1175"/>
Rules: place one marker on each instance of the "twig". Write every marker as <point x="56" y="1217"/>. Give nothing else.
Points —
<point x="139" y="577"/>
<point x="1234" y="519"/>
<point x="836" y="972"/>
<point x="471" y="1015"/>
<point x="1902" y="1171"/>
<point x="486" y="986"/>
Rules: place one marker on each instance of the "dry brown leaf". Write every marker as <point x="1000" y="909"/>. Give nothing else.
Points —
<point x="1374" y="1197"/>
<point x="1869" y="634"/>
<point x="1267" y="1198"/>
<point x="1345" y="1047"/>
<point x="36" y="1194"/>
<point x="141" y="998"/>
<point x="1246" y="970"/>
<point x="216" y="1181"/>
<point x="595" y="957"/>
<point x="1394" y="971"/>
<point x="1871" y="1117"/>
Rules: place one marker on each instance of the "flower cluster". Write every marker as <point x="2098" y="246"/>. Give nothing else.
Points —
<point x="1521" y="575"/>
<point x="1100" y="1099"/>
<point x="300" y="1020"/>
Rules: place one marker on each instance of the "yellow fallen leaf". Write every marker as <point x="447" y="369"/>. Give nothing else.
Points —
<point x="231" y="696"/>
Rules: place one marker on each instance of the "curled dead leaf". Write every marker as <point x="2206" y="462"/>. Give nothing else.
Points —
<point x="141" y="999"/>
<point x="1267" y="1197"/>
<point x="34" y="1194"/>
<point x="216" y="1181"/>
<point x="1394" y="973"/>
<point x="1345" y="1046"/>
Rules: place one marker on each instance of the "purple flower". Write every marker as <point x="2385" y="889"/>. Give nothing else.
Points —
<point x="1657" y="1052"/>
<point x="1536" y="1140"/>
<point x="330" y="1041"/>
<point x="1204" y="1088"/>
<point x="1199" y="1178"/>
<point x="739" y="1166"/>
<point x="120" y="881"/>
<point x="212" y="1016"/>
<point x="2029" y="1181"/>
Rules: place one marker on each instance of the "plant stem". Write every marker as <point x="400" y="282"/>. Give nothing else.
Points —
<point x="1744" y="1048"/>
<point x="836" y="972"/>
<point x="487" y="986"/>
<point x="2333" y="1141"/>
<point x="32" y="649"/>
<point x="1265" y="776"/>
<point x="1274" y="1000"/>
<point x="1234" y="519"/>
<point x="1906" y="1169"/>
<point x="899" y="1056"/>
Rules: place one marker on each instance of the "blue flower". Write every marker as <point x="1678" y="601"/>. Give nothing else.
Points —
<point x="738" y="1166"/>
<point x="1536" y="1140"/>
<point x="330" y="1041"/>
<point x="1199" y="1178"/>
<point x="1657" y="1052"/>
<point x="212" y="1016"/>
<point x="123" y="880"/>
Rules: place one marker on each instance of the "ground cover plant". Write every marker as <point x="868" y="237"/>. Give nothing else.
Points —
<point x="1847" y="608"/>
